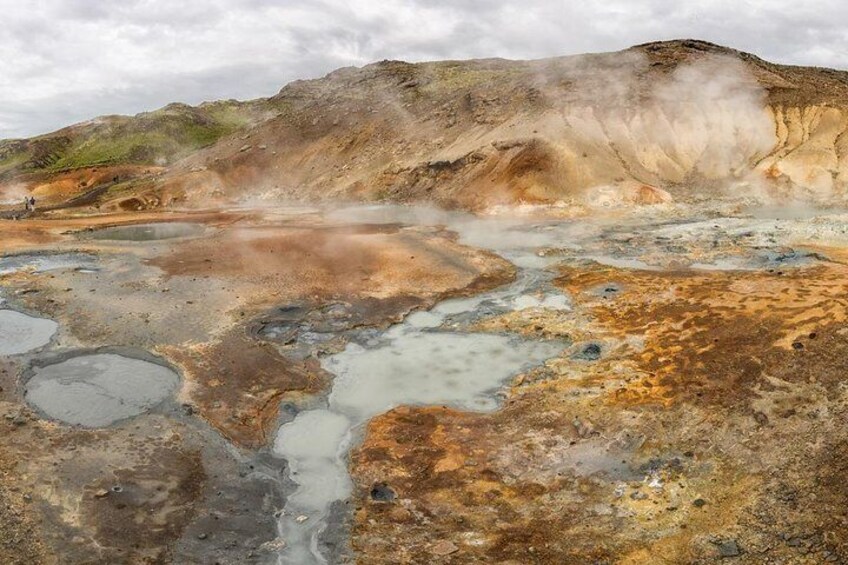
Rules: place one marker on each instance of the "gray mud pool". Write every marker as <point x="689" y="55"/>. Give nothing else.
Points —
<point x="146" y="232"/>
<point x="99" y="389"/>
<point x="20" y="333"/>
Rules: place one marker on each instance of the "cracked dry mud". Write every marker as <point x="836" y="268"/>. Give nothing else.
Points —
<point x="692" y="410"/>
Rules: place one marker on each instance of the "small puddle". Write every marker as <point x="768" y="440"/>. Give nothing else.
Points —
<point x="43" y="262"/>
<point x="20" y="333"/>
<point x="146" y="232"/>
<point x="787" y="257"/>
<point x="97" y="390"/>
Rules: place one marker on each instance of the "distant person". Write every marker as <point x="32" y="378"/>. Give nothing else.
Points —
<point x="26" y="203"/>
<point x="32" y="204"/>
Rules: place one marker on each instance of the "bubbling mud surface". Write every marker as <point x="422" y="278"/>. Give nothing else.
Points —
<point x="146" y="232"/>
<point x="20" y="333"/>
<point x="99" y="389"/>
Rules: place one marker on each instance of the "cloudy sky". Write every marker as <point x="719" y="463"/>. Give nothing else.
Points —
<point x="64" y="61"/>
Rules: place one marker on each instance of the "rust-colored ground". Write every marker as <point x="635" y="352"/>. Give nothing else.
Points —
<point x="302" y="261"/>
<point x="719" y="338"/>
<point x="712" y="426"/>
<point x="237" y="384"/>
<point x="45" y="231"/>
<point x="54" y="188"/>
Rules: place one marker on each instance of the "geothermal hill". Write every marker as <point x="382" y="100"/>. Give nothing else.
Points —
<point x="679" y="120"/>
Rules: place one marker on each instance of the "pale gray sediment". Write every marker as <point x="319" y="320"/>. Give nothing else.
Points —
<point x="99" y="389"/>
<point x="21" y="333"/>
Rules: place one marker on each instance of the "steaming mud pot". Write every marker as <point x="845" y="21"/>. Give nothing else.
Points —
<point x="146" y="232"/>
<point x="98" y="390"/>
<point x="20" y="333"/>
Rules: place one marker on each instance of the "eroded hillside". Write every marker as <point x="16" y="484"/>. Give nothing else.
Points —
<point x="679" y="120"/>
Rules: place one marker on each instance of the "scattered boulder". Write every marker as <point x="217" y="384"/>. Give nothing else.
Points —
<point x="590" y="352"/>
<point x="381" y="492"/>
<point x="443" y="548"/>
<point x="728" y="548"/>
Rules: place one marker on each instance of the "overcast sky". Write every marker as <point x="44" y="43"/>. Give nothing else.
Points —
<point x="64" y="61"/>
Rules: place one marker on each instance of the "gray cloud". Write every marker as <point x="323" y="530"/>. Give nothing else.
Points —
<point x="63" y="61"/>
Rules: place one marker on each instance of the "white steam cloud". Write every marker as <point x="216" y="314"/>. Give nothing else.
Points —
<point x="707" y="119"/>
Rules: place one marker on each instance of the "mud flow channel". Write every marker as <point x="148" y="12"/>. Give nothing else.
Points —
<point x="425" y="360"/>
